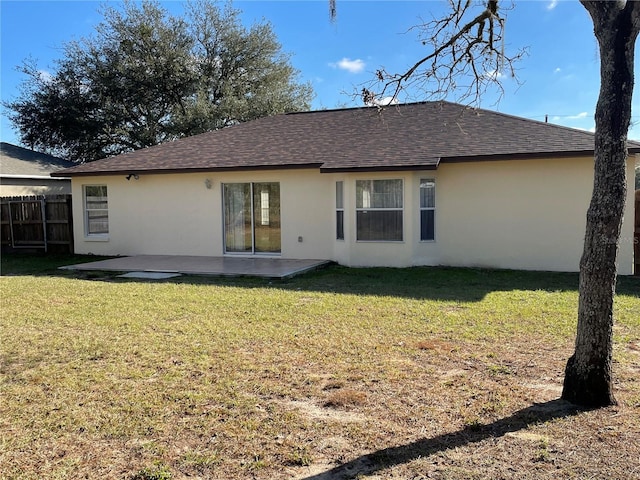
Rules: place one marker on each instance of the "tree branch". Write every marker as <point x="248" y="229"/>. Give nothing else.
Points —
<point x="479" y="20"/>
<point x="468" y="53"/>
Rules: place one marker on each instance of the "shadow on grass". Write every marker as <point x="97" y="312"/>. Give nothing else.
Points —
<point x="433" y="283"/>
<point x="441" y="283"/>
<point x="41" y="264"/>
<point x="388" y="457"/>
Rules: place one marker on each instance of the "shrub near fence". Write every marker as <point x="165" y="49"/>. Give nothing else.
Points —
<point x="42" y="222"/>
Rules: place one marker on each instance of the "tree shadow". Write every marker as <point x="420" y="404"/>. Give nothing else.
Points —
<point x="420" y="283"/>
<point x="457" y="284"/>
<point x="388" y="457"/>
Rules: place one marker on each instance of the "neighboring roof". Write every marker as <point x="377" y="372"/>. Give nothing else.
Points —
<point x="21" y="162"/>
<point x="401" y="137"/>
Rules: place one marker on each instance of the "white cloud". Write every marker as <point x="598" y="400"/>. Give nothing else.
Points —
<point x="351" y="66"/>
<point x="382" y="102"/>
<point x="494" y="75"/>
<point x="45" y="76"/>
<point x="557" y="70"/>
<point x="552" y="4"/>
<point x="578" y="116"/>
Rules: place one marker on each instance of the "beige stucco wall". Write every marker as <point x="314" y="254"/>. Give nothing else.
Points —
<point x="176" y="214"/>
<point x="527" y="214"/>
<point x="14" y="187"/>
<point x="524" y="214"/>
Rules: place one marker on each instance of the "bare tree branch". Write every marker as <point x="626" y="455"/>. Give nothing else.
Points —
<point x="332" y="10"/>
<point x="467" y="56"/>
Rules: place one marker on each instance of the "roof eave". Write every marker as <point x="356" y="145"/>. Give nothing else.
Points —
<point x="518" y="156"/>
<point x="34" y="177"/>
<point x="399" y="168"/>
<point x="528" y="155"/>
<point x="127" y="171"/>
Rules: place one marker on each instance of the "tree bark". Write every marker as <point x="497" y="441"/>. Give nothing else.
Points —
<point x="588" y="375"/>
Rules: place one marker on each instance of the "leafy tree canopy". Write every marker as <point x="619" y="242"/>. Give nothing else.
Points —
<point x="146" y="77"/>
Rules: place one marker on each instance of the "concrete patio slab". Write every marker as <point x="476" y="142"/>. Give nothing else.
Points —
<point x="193" y="265"/>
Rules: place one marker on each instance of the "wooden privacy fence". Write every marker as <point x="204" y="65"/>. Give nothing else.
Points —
<point x="37" y="222"/>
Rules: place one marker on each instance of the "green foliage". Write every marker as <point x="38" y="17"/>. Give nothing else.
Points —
<point x="147" y="77"/>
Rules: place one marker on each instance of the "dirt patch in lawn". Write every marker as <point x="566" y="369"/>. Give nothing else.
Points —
<point x="323" y="413"/>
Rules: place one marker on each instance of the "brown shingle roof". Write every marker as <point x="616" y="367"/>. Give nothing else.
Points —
<point x="409" y="136"/>
<point x="15" y="160"/>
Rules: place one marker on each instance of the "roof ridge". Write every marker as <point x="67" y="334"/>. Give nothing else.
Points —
<point x="452" y="104"/>
<point x="539" y="122"/>
<point x="363" y="107"/>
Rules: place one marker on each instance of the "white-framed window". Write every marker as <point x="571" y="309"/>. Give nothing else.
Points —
<point x="379" y="210"/>
<point x="340" y="210"/>
<point x="427" y="209"/>
<point x="96" y="210"/>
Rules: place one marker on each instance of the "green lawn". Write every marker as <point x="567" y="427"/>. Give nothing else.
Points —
<point x="393" y="372"/>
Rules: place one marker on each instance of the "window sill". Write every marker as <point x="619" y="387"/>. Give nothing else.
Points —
<point x="96" y="238"/>
<point x="252" y="255"/>
<point x="379" y="241"/>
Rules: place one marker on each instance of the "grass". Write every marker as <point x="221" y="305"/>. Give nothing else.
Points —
<point x="404" y="373"/>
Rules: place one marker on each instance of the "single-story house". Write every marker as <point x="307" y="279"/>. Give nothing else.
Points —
<point x="430" y="183"/>
<point x="24" y="172"/>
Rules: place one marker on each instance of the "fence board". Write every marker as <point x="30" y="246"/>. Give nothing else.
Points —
<point x="24" y="224"/>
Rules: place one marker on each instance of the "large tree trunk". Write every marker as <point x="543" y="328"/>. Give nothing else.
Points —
<point x="588" y="376"/>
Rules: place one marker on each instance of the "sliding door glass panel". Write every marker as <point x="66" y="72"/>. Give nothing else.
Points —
<point x="237" y="217"/>
<point x="266" y="217"/>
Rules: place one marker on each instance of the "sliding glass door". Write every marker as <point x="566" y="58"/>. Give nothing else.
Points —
<point x="252" y="217"/>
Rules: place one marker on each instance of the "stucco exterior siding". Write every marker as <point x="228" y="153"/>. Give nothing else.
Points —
<point x="14" y="187"/>
<point x="527" y="214"/>
<point x="156" y="214"/>
<point x="307" y="200"/>
<point x="176" y="214"/>
<point x="520" y="214"/>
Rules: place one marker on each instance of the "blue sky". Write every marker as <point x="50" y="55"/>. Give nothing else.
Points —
<point x="560" y="77"/>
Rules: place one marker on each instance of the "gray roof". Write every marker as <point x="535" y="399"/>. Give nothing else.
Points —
<point x="19" y="161"/>
<point x="408" y="136"/>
